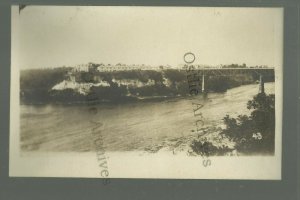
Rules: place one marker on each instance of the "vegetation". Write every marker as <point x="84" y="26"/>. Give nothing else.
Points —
<point x="222" y="83"/>
<point x="256" y="133"/>
<point x="175" y="75"/>
<point x="235" y="66"/>
<point x="206" y="148"/>
<point x="36" y="85"/>
<point x="251" y="134"/>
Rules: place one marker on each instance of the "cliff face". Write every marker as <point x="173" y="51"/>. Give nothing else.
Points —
<point x="81" y="88"/>
<point x="61" y="85"/>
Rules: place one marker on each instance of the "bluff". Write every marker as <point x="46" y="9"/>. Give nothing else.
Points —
<point x="64" y="85"/>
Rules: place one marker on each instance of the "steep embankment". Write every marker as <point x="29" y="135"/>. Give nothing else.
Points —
<point x="60" y="85"/>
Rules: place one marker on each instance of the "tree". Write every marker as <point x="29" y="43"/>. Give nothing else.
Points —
<point x="264" y="111"/>
<point x="261" y="121"/>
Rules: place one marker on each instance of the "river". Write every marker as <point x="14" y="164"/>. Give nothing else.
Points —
<point x="142" y="126"/>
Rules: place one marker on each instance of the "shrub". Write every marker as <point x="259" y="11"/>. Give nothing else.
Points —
<point x="206" y="149"/>
<point x="261" y="120"/>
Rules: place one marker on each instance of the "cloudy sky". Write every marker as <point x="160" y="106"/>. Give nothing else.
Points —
<point x="52" y="36"/>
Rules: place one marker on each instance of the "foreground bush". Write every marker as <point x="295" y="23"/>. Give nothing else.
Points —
<point x="254" y="133"/>
<point x="206" y="149"/>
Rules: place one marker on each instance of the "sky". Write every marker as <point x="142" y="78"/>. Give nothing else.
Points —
<point x="53" y="36"/>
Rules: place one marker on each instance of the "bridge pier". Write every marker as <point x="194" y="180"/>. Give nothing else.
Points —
<point x="202" y="86"/>
<point x="261" y="84"/>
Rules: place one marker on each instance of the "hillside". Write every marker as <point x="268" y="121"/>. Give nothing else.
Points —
<point x="63" y="85"/>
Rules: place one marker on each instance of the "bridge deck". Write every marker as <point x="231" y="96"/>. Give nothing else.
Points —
<point x="233" y="71"/>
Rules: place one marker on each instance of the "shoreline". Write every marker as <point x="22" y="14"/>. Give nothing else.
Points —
<point x="127" y="99"/>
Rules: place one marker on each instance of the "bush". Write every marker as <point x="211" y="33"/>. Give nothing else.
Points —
<point x="206" y="149"/>
<point x="261" y="121"/>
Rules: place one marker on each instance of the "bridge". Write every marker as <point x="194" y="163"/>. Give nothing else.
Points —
<point x="259" y="72"/>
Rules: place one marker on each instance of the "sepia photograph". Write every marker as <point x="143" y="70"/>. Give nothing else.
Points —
<point x="146" y="92"/>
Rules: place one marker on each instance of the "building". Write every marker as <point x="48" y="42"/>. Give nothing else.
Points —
<point x="92" y="67"/>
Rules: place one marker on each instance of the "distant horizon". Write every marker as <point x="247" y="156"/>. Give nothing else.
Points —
<point x="167" y="65"/>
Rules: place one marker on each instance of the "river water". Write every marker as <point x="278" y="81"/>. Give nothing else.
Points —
<point x="142" y="126"/>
